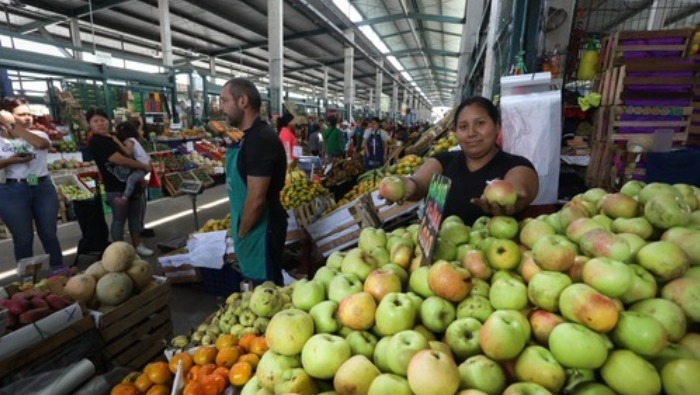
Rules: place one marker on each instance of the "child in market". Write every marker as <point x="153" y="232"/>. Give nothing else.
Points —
<point x="127" y="138"/>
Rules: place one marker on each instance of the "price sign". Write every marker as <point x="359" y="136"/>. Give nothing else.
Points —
<point x="430" y="223"/>
<point x="218" y="170"/>
<point x="190" y="146"/>
<point x="190" y="187"/>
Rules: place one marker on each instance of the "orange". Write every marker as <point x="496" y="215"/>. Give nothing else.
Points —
<point x="159" y="372"/>
<point x="186" y="359"/>
<point x="246" y="340"/>
<point x="210" y="389"/>
<point x="225" y="340"/>
<point x="221" y="371"/>
<point x="258" y="346"/>
<point x="251" y="358"/>
<point x="240" y="373"/>
<point x="124" y="389"/>
<point x="193" y="374"/>
<point x="193" y="389"/>
<point x="219" y="381"/>
<point x="159" y="389"/>
<point x="204" y="355"/>
<point x="227" y="356"/>
<point x="143" y="383"/>
<point x="206" y="371"/>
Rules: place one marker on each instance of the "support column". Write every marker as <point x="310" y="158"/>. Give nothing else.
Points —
<point x="75" y="38"/>
<point x="348" y="77"/>
<point x="212" y="66"/>
<point x="394" y="99"/>
<point x="657" y="15"/>
<point x="275" y="42"/>
<point x="324" y="94"/>
<point x="490" y="55"/>
<point x="405" y="96"/>
<point x="165" y="37"/>
<point x="371" y="96"/>
<point x="379" y="82"/>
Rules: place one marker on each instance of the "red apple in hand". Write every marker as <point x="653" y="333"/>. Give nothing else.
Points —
<point x="500" y="192"/>
<point x="391" y="188"/>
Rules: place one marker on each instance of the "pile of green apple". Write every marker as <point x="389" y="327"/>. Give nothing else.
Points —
<point x="598" y="298"/>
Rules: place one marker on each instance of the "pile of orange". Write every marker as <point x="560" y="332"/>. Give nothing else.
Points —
<point x="207" y="372"/>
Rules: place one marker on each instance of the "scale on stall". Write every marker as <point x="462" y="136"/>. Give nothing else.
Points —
<point x="191" y="188"/>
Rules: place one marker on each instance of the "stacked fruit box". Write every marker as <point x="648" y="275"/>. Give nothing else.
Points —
<point x="646" y="83"/>
<point x="694" y="133"/>
<point x="388" y="212"/>
<point x="132" y="332"/>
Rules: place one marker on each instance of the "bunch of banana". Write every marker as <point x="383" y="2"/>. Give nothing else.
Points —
<point x="443" y="144"/>
<point x="300" y="191"/>
<point x="406" y="165"/>
<point x="371" y="175"/>
<point x="214" y="225"/>
<point x="244" y="313"/>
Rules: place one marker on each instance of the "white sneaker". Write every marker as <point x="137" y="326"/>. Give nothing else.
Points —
<point x="143" y="250"/>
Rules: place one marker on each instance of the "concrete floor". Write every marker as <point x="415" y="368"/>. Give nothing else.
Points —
<point x="169" y="218"/>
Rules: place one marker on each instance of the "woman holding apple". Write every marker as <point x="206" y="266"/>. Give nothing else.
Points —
<point x="479" y="161"/>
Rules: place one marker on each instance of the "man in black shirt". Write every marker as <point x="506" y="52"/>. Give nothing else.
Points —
<point x="255" y="172"/>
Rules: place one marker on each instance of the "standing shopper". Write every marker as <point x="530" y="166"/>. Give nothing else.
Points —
<point x="375" y="145"/>
<point x="109" y="159"/>
<point x="315" y="145"/>
<point x="255" y="170"/>
<point x="288" y="137"/>
<point x="333" y="141"/>
<point x="27" y="196"/>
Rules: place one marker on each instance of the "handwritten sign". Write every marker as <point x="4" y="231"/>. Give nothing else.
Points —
<point x="430" y="223"/>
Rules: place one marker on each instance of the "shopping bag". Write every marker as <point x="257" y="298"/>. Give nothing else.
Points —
<point x="154" y="182"/>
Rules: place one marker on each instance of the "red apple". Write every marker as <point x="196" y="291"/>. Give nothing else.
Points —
<point x="391" y="188"/>
<point x="357" y="311"/>
<point x="542" y="323"/>
<point x="449" y="281"/>
<point x="382" y="282"/>
<point x="583" y="304"/>
<point x="500" y="192"/>
<point x="475" y="262"/>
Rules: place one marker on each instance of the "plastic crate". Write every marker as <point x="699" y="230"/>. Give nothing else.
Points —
<point x="221" y="282"/>
<point x="155" y="193"/>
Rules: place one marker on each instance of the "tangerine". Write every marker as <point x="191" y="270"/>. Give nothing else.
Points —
<point x="221" y="371"/>
<point x="124" y="389"/>
<point x="258" y="346"/>
<point x="227" y="356"/>
<point x="225" y="340"/>
<point x="246" y="340"/>
<point x="143" y="383"/>
<point x="159" y="389"/>
<point x="204" y="355"/>
<point x="252" y="359"/>
<point x="210" y="389"/>
<point x="218" y="380"/>
<point x="240" y="373"/>
<point x="186" y="359"/>
<point x="193" y="388"/>
<point x="193" y="374"/>
<point x="206" y="371"/>
<point x="159" y="372"/>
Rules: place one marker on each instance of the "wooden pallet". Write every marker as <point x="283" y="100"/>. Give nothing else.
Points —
<point x="617" y="45"/>
<point x="133" y="332"/>
<point x="309" y="213"/>
<point x="647" y="139"/>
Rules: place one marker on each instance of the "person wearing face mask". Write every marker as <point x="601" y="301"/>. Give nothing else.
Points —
<point x="480" y="159"/>
<point x="112" y="162"/>
<point x="27" y="195"/>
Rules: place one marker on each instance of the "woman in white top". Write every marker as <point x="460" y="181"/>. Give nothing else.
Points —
<point x="27" y="196"/>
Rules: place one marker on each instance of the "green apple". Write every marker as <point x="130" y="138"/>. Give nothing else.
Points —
<point x="417" y="300"/>
<point x="604" y="220"/>
<point x="335" y="260"/>
<point x="462" y="336"/>
<point x="397" y="232"/>
<point x="355" y="376"/>
<point x="477" y="235"/>
<point x="642" y="286"/>
<point x="402" y="347"/>
<point x="687" y="195"/>
<point x="619" y="205"/>
<point x="481" y="223"/>
<point x="381" y="256"/>
<point x="671" y="352"/>
<point x="526" y="389"/>
<point x="607" y="276"/>
<point x="344" y="285"/>
<point x="413" y="231"/>
<point x="359" y="263"/>
<point x="628" y="373"/>
<point x="395" y="313"/>
<point x="371" y="238"/>
<point x="325" y="275"/>
<point x="502" y="227"/>
<point x="380" y="354"/>
<point x="665" y="212"/>
<point x="692" y="342"/>
<point x="544" y="289"/>
<point x="395" y="240"/>
<point x="401" y="272"/>
<point x="295" y="380"/>
<point x="400" y="251"/>
<point x="665" y="260"/>
<point x="590" y="388"/>
<point x="437" y="313"/>
<point x="440" y="346"/>
<point x="554" y="220"/>
<point x="503" y="254"/>
<point x="454" y="232"/>
<point x="681" y="377"/>
<point x="418" y="282"/>
<point x="462" y="250"/>
<point x="381" y="282"/>
<point x="480" y="287"/>
<point x="444" y="250"/>
<point x="581" y="226"/>
<point x="425" y="332"/>
<point x="388" y="383"/>
<point x="271" y="367"/>
<point x="535" y="230"/>
<point x="362" y="343"/>
<point x="554" y="252"/>
<point x="593" y="195"/>
<point x="639" y="332"/>
<point x="519" y="317"/>
<point x="575" y="346"/>
<point x="635" y="242"/>
<point x="251" y="387"/>
<point x="433" y="372"/>
<point x="307" y="294"/>
<point x="632" y="188"/>
<point x="344" y="331"/>
<point x="637" y="225"/>
<point x="501" y="337"/>
<point x="323" y="354"/>
<point x="481" y="373"/>
<point x="324" y="317"/>
<point x="687" y="239"/>
<point x="288" y="330"/>
<point x="508" y="294"/>
<point x="505" y="275"/>
<point x="357" y="311"/>
<point x="474" y="306"/>
<point x="667" y="313"/>
<point x="685" y="292"/>
<point x="536" y="364"/>
<point x="452" y="219"/>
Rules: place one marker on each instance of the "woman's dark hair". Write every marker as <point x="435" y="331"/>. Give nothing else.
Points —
<point x="284" y="120"/>
<point x="333" y="121"/>
<point x="10" y="103"/>
<point x="127" y="129"/>
<point x="482" y="102"/>
<point x="95" y="111"/>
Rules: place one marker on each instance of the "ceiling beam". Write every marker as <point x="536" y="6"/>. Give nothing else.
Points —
<point x="434" y="68"/>
<point x="631" y="13"/>
<point x="425" y="29"/>
<point x="411" y="15"/>
<point x="417" y="51"/>
<point x="263" y="43"/>
<point x="70" y="13"/>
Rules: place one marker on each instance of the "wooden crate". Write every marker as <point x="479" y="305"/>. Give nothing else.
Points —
<point x="341" y="228"/>
<point x="387" y="212"/>
<point x="133" y="332"/>
<point x="628" y="45"/>
<point x="172" y="183"/>
<point x="646" y="127"/>
<point x="310" y="212"/>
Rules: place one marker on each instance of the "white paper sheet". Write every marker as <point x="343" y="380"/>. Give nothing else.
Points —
<point x="207" y="249"/>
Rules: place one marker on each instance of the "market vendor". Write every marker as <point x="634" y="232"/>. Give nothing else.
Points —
<point x="255" y="171"/>
<point x="27" y="195"/>
<point x="477" y="125"/>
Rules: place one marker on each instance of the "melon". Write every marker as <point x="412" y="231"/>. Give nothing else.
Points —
<point x="140" y="272"/>
<point x="80" y="287"/>
<point x="114" y="288"/>
<point x="96" y="270"/>
<point x="118" y="256"/>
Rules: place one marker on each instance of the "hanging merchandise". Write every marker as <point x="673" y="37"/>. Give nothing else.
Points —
<point x="588" y="66"/>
